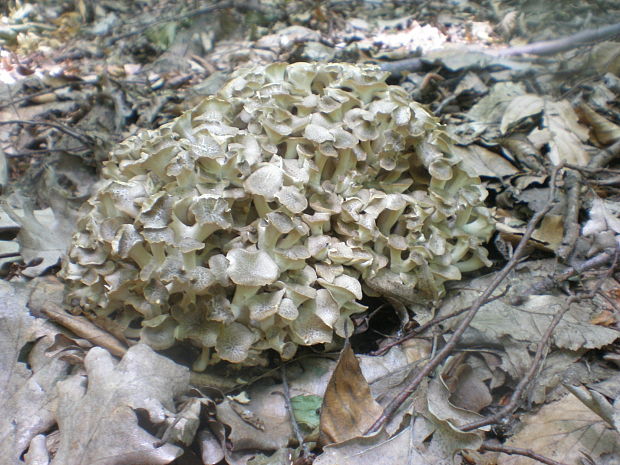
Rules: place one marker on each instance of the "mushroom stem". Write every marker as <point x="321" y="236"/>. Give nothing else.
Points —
<point x="261" y="205"/>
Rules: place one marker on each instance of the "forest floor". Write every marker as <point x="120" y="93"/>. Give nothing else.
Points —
<point x="516" y="365"/>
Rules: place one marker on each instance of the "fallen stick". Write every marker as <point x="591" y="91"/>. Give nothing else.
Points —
<point x="551" y="47"/>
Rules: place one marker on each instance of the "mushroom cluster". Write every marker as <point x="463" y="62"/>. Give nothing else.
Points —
<point x="256" y="220"/>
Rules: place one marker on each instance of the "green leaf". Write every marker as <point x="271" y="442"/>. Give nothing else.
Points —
<point x="306" y="410"/>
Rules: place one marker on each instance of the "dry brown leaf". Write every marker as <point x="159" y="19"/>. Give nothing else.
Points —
<point x="550" y="231"/>
<point x="480" y="161"/>
<point x="604" y="130"/>
<point x="560" y="431"/>
<point x="469" y="391"/>
<point x="348" y="407"/>
<point x="566" y="135"/>
<point x="604" y="318"/>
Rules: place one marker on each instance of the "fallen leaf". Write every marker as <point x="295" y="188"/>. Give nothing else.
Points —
<point x="375" y="450"/>
<point x="348" y="407"/>
<point x="41" y="237"/>
<point x="565" y="134"/>
<point x="305" y="409"/>
<point x="262" y="424"/>
<point x="97" y="416"/>
<point x="597" y="402"/>
<point x="562" y="431"/>
<point x="528" y="320"/>
<point x="604" y="130"/>
<point x="520" y="108"/>
<point x="28" y="395"/>
<point x="550" y="232"/>
<point x="467" y="388"/>
<point x="479" y="161"/>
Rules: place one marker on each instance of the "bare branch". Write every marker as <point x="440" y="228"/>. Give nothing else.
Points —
<point x="518" y="451"/>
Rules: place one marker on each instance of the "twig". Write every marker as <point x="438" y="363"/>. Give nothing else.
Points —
<point x="84" y="139"/>
<point x="571" y="225"/>
<point x="240" y="4"/>
<point x="140" y="29"/>
<point x="78" y="324"/>
<point x="445" y="351"/>
<point x="32" y="153"/>
<point x="42" y="92"/>
<point x="518" y="451"/>
<point x="605" y="156"/>
<point x="9" y="255"/>
<point x="591" y="171"/>
<point x="548" y="283"/>
<point x="551" y="47"/>
<point x="538" y="358"/>
<point x="435" y="321"/>
<point x="606" y="182"/>
<point x="289" y="406"/>
<point x="407" y="64"/>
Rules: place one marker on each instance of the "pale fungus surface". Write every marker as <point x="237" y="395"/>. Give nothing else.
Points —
<point x="256" y="220"/>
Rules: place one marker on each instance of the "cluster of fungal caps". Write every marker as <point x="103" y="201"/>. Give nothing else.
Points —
<point x="254" y="220"/>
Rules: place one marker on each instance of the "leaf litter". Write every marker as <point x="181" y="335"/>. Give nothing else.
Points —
<point x="513" y="117"/>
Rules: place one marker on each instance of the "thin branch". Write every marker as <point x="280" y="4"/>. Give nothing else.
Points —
<point x="518" y="451"/>
<point x="9" y="255"/>
<point x="139" y="29"/>
<point x="82" y="138"/>
<point x="551" y="47"/>
<point x="420" y="329"/>
<point x="605" y="156"/>
<point x="406" y="64"/>
<point x="80" y="325"/>
<point x="572" y="187"/>
<point x="242" y="5"/>
<point x="289" y="406"/>
<point x="445" y="351"/>
<point x="548" y="283"/>
<point x="36" y="94"/>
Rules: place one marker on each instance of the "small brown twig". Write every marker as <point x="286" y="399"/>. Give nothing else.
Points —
<point x="603" y="157"/>
<point x="446" y="350"/>
<point x="82" y="138"/>
<point x="406" y="64"/>
<point x="80" y="325"/>
<point x="548" y="283"/>
<point x="518" y="451"/>
<point x="42" y="92"/>
<point x="435" y="321"/>
<point x="572" y="187"/>
<point x="551" y="47"/>
<point x="305" y="451"/>
<point x="243" y="5"/>
<point x="9" y="255"/>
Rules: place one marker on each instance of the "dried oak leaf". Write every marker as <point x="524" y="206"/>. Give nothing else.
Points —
<point x="97" y="416"/>
<point x="28" y="394"/>
<point x="563" y="430"/>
